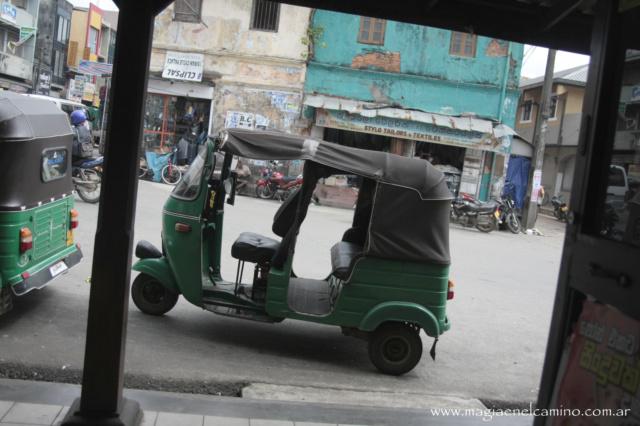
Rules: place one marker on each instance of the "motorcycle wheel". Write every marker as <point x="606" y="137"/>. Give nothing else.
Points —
<point x="264" y="192"/>
<point x="143" y="169"/>
<point x="89" y="193"/>
<point x="513" y="223"/>
<point x="171" y="175"/>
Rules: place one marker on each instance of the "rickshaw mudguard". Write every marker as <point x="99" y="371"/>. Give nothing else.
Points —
<point x="401" y="312"/>
<point x="159" y="269"/>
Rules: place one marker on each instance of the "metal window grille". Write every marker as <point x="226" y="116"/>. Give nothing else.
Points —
<point x="463" y="44"/>
<point x="371" y="30"/>
<point x="265" y="15"/>
<point x="187" y="10"/>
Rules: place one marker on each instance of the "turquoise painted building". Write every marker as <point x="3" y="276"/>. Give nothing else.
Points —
<point x="414" y="90"/>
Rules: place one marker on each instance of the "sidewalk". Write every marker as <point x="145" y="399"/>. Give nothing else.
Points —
<point x="28" y="403"/>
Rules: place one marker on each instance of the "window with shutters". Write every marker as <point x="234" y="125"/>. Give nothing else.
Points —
<point x="463" y="44"/>
<point x="265" y="15"/>
<point x="371" y="30"/>
<point x="187" y="10"/>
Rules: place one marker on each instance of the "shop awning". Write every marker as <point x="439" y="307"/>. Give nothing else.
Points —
<point x="372" y="109"/>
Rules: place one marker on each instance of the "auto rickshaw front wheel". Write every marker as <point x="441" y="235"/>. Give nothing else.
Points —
<point x="395" y="348"/>
<point x="151" y="297"/>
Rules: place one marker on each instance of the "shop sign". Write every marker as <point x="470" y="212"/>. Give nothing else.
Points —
<point x="413" y="130"/>
<point x="76" y="89"/>
<point x="8" y="12"/>
<point x="44" y="82"/>
<point x="183" y="66"/>
<point x="635" y="94"/>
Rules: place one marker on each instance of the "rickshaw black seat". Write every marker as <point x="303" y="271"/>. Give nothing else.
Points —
<point x="255" y="248"/>
<point x="343" y="257"/>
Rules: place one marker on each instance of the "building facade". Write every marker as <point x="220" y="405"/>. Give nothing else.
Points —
<point x="18" y="24"/>
<point x="92" y="39"/>
<point x="445" y="96"/>
<point x="50" y="61"/>
<point x="563" y="126"/>
<point x="220" y="64"/>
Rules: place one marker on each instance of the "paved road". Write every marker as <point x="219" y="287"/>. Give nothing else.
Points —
<point x="500" y="317"/>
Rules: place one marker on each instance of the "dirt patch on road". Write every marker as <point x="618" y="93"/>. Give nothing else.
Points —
<point x="131" y="381"/>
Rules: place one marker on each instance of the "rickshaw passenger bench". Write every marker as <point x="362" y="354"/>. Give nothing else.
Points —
<point x="254" y="248"/>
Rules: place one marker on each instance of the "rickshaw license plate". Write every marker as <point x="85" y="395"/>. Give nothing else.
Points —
<point x="58" y="268"/>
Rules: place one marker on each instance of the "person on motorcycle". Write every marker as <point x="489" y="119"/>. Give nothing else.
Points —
<point x="82" y="143"/>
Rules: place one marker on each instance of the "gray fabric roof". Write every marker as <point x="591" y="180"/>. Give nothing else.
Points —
<point x="576" y="76"/>
<point x="412" y="173"/>
<point x="23" y="117"/>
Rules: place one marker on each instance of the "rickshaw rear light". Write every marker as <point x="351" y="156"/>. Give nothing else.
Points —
<point x="450" y="290"/>
<point x="26" y="240"/>
<point x="73" y="215"/>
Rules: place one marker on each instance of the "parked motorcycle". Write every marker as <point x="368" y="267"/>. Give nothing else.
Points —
<point x="560" y="208"/>
<point x="467" y="211"/>
<point x="87" y="179"/>
<point x="275" y="185"/>
<point x="508" y="215"/>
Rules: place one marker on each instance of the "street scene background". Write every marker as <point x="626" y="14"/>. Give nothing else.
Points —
<point x="500" y="317"/>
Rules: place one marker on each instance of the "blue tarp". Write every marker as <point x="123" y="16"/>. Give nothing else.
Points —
<point x="517" y="179"/>
<point x="155" y="163"/>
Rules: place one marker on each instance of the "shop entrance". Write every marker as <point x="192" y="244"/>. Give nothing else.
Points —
<point x="169" y="118"/>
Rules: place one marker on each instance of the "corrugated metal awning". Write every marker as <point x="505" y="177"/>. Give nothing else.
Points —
<point x="371" y="109"/>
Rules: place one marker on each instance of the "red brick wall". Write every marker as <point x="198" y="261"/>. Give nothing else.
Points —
<point x="385" y="61"/>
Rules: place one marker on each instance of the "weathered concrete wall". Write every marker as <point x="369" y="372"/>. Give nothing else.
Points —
<point x="259" y="73"/>
<point x="270" y="108"/>
<point x="413" y="68"/>
<point x="227" y="30"/>
<point x="45" y="36"/>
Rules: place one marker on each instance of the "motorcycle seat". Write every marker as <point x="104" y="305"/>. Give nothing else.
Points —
<point x="254" y="248"/>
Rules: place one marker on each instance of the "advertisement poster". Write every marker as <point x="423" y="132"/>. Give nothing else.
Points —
<point x="183" y="66"/>
<point x="537" y="182"/>
<point x="239" y="120"/>
<point x="8" y="12"/>
<point x="602" y="376"/>
<point x="44" y="82"/>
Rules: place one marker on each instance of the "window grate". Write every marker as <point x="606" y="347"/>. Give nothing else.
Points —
<point x="265" y="15"/>
<point x="371" y="30"/>
<point x="187" y="10"/>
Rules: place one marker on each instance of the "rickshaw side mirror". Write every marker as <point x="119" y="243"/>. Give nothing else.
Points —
<point x="230" y="187"/>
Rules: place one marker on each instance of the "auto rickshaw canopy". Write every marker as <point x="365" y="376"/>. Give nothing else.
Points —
<point x="403" y="215"/>
<point x="35" y="142"/>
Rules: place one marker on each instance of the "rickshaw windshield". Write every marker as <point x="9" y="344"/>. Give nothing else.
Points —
<point x="189" y="186"/>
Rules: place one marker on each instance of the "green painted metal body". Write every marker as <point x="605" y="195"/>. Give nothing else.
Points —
<point x="49" y="225"/>
<point x="377" y="291"/>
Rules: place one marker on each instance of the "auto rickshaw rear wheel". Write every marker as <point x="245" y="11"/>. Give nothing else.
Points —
<point x="395" y="348"/>
<point x="151" y="297"/>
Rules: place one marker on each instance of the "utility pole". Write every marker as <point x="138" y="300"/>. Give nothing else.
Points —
<point x="539" y="133"/>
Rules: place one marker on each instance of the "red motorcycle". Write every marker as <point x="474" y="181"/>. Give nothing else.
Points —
<point x="275" y="185"/>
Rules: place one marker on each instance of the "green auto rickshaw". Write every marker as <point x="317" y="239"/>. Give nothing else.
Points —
<point x="390" y="271"/>
<point x="37" y="218"/>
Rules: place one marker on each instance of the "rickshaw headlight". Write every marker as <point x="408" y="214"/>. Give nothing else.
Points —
<point x="26" y="240"/>
<point x="450" y="287"/>
<point x="73" y="222"/>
